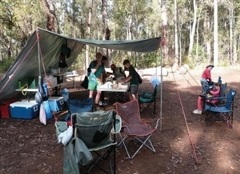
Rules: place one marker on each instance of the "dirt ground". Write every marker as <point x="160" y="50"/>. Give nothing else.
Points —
<point x="27" y="146"/>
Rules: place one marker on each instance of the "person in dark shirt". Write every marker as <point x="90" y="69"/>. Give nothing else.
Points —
<point x="117" y="71"/>
<point x="132" y="78"/>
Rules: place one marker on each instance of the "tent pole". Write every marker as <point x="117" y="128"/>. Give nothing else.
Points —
<point x="39" y="61"/>
<point x="161" y="85"/>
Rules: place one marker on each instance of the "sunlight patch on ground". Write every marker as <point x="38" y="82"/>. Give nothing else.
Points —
<point x="181" y="144"/>
<point x="224" y="157"/>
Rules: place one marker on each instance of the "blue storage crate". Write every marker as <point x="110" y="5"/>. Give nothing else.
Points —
<point x="56" y="103"/>
<point x="24" y="110"/>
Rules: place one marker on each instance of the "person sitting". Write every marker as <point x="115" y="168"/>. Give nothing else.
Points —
<point x="213" y="92"/>
<point x="117" y="72"/>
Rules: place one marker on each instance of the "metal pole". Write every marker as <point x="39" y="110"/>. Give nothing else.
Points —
<point x="161" y="94"/>
<point x="39" y="59"/>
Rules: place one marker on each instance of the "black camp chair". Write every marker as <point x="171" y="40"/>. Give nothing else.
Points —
<point x="223" y="111"/>
<point x="97" y="130"/>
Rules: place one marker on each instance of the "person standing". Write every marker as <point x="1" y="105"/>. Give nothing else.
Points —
<point x="206" y="77"/>
<point x="132" y="78"/>
<point x="96" y="71"/>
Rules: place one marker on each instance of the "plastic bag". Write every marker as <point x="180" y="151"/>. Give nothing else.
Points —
<point x="65" y="136"/>
<point x="42" y="115"/>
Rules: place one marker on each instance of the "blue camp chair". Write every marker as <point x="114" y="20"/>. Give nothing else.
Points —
<point x="222" y="111"/>
<point x="148" y="98"/>
<point x="78" y="106"/>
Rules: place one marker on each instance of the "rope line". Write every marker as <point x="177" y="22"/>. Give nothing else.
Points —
<point x="185" y="119"/>
<point x="222" y="113"/>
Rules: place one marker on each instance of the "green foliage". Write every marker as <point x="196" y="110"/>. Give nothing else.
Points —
<point x="5" y="64"/>
<point x="127" y="19"/>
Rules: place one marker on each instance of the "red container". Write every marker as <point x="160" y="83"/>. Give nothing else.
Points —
<point x="5" y="109"/>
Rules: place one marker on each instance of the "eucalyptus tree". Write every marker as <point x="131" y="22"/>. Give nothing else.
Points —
<point x="18" y="19"/>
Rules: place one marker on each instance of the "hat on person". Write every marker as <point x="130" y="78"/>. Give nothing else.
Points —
<point x="210" y="66"/>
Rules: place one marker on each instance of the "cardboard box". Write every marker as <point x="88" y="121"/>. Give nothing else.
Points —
<point x="56" y="103"/>
<point x="24" y="110"/>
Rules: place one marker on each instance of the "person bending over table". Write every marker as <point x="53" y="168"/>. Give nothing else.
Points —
<point x="206" y="77"/>
<point x="132" y="78"/>
<point x="96" y="71"/>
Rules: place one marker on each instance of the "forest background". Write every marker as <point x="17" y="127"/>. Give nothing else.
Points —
<point x="193" y="32"/>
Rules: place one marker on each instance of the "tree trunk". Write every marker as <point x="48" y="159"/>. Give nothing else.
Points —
<point x="164" y="41"/>
<point x="231" y="33"/>
<point x="176" y="33"/>
<point x="215" y="60"/>
<point x="52" y="22"/>
<point x="88" y="36"/>
<point x="104" y="16"/>
<point x="192" y="32"/>
<point x="197" y="46"/>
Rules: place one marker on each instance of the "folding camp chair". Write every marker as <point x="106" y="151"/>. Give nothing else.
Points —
<point x="147" y="98"/>
<point x="220" y="98"/>
<point x="223" y="111"/>
<point x="134" y="127"/>
<point x="76" y="106"/>
<point x="97" y="130"/>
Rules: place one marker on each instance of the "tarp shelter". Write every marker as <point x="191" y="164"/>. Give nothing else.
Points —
<point x="47" y="45"/>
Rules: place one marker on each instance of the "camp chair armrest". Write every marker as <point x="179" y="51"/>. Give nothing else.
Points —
<point x="214" y="98"/>
<point x="147" y="95"/>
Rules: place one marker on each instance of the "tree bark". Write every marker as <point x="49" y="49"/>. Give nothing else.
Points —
<point x="192" y="32"/>
<point x="52" y="22"/>
<point x="215" y="60"/>
<point x="231" y="33"/>
<point x="176" y="33"/>
<point x="164" y="40"/>
<point x="88" y="35"/>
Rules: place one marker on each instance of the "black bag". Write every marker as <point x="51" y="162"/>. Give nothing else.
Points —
<point x="84" y="84"/>
<point x="62" y="61"/>
<point x="65" y="50"/>
<point x="139" y="78"/>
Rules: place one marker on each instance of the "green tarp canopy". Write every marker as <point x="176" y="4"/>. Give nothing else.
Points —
<point x="43" y="49"/>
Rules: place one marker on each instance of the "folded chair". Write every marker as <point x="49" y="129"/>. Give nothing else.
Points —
<point x="148" y="98"/>
<point x="97" y="130"/>
<point x="221" y="111"/>
<point x="134" y="128"/>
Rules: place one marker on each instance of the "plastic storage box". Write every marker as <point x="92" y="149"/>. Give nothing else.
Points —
<point x="24" y="110"/>
<point x="56" y="103"/>
<point x="4" y="108"/>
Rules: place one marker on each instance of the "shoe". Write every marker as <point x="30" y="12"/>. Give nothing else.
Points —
<point x="196" y="111"/>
